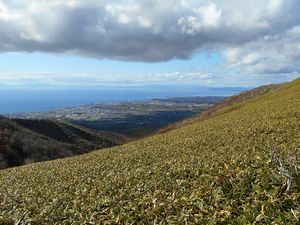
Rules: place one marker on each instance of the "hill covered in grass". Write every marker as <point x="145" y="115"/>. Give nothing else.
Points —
<point x="242" y="97"/>
<point x="27" y="141"/>
<point x="229" y="169"/>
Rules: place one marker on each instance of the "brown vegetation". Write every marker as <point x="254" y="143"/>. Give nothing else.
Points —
<point x="242" y="97"/>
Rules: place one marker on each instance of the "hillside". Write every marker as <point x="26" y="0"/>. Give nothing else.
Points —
<point x="28" y="141"/>
<point x="227" y="169"/>
<point x="242" y="97"/>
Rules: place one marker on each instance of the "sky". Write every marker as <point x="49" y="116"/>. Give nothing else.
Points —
<point x="85" y="43"/>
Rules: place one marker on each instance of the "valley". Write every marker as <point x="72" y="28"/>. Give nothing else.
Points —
<point x="34" y="137"/>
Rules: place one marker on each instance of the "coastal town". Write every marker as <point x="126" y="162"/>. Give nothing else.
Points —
<point x="109" y="111"/>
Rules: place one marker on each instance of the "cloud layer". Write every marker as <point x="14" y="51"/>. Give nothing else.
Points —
<point x="88" y="80"/>
<point x="255" y="36"/>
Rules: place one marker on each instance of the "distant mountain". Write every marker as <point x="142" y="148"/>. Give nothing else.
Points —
<point x="28" y="141"/>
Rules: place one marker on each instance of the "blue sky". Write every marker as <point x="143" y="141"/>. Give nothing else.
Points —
<point x="80" y="43"/>
<point x="35" y="66"/>
<point x="55" y="63"/>
<point x="31" y="70"/>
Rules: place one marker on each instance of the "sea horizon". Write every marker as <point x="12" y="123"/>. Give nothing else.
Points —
<point x="14" y="101"/>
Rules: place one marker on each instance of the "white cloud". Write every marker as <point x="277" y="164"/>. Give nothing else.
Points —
<point x="85" y="79"/>
<point x="257" y="36"/>
<point x="206" y="17"/>
<point x="277" y="54"/>
<point x="251" y="58"/>
<point x="275" y="5"/>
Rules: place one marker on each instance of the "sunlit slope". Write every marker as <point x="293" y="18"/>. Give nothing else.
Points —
<point x="242" y="97"/>
<point x="214" y="171"/>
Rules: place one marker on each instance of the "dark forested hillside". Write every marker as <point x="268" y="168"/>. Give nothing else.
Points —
<point x="27" y="141"/>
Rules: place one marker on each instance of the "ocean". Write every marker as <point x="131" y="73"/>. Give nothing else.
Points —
<point x="39" y="100"/>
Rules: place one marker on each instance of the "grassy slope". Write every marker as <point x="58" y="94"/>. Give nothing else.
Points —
<point x="214" y="171"/>
<point x="240" y="98"/>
